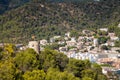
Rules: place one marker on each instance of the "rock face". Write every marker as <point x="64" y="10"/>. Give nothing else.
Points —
<point x="34" y="45"/>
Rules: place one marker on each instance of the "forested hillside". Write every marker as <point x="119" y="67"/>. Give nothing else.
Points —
<point x="45" y="19"/>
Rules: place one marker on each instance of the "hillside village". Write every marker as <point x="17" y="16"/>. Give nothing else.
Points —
<point x="96" y="46"/>
<point x="101" y="50"/>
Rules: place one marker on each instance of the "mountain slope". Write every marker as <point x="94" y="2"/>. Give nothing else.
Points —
<point x="47" y="19"/>
<point x="10" y="4"/>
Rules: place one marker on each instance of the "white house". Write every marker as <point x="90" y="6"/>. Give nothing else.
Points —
<point x="55" y="37"/>
<point x="89" y="56"/>
<point x="111" y="43"/>
<point x="79" y="45"/>
<point x="119" y="25"/>
<point x="86" y="31"/>
<point x="73" y="39"/>
<point x="61" y="42"/>
<point x="104" y="29"/>
<point x="62" y="49"/>
<point x="43" y="42"/>
<point x="67" y="34"/>
<point x="80" y="38"/>
<point x="71" y="54"/>
<point x="106" y="69"/>
<point x="52" y="40"/>
<point x="71" y="43"/>
<point x="111" y="34"/>
<point x="114" y="38"/>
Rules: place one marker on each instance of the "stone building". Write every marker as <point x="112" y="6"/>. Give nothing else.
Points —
<point x="34" y="45"/>
<point x="95" y="42"/>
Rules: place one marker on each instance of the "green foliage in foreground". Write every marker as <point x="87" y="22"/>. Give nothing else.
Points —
<point x="48" y="65"/>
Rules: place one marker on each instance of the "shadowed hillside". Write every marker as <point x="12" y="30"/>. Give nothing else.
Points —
<point x="10" y="4"/>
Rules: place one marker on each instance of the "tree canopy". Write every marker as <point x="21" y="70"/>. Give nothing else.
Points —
<point x="47" y="65"/>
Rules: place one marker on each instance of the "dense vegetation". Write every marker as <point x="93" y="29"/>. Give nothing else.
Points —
<point x="45" y="19"/>
<point x="10" y="4"/>
<point x="6" y="5"/>
<point x="48" y="65"/>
